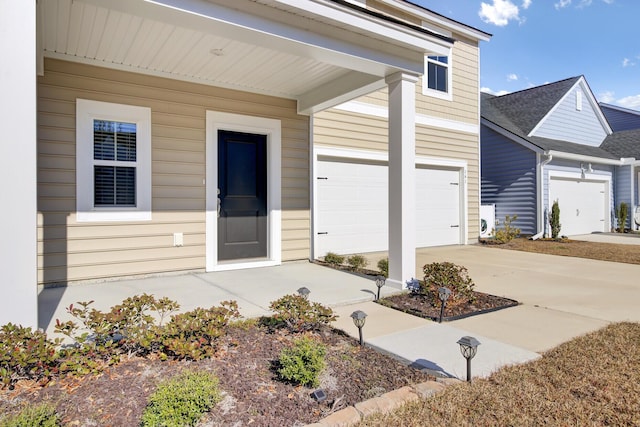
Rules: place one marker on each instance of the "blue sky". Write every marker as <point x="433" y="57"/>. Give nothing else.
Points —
<point x="541" y="41"/>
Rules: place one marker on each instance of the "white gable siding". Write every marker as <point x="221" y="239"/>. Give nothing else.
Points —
<point x="568" y="123"/>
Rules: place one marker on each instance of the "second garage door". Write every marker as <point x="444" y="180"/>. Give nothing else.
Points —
<point x="583" y="205"/>
<point x="352" y="211"/>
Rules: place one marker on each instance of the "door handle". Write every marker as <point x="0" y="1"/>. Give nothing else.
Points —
<point x="218" y="207"/>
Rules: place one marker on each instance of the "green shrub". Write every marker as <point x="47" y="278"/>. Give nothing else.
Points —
<point x="193" y="335"/>
<point x="303" y="362"/>
<point x="299" y="314"/>
<point x="554" y="220"/>
<point x="357" y="262"/>
<point x="449" y="275"/>
<point x="622" y="213"/>
<point x="26" y="354"/>
<point x="333" y="259"/>
<point x="508" y="232"/>
<point x="182" y="400"/>
<point x="383" y="266"/>
<point x="42" y="415"/>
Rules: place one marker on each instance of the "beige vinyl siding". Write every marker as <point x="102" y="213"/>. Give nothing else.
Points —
<point x="338" y="128"/>
<point x="71" y="251"/>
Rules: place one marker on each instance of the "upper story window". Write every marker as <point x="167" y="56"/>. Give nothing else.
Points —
<point x="113" y="162"/>
<point x="437" y="79"/>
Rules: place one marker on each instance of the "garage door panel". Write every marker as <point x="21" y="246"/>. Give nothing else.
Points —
<point x="353" y="206"/>
<point x="583" y="205"/>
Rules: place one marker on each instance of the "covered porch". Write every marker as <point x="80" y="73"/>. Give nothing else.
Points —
<point x="318" y="54"/>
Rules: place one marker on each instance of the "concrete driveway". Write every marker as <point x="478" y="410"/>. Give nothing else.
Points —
<point x="562" y="297"/>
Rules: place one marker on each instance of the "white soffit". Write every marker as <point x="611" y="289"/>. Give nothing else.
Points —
<point x="219" y="44"/>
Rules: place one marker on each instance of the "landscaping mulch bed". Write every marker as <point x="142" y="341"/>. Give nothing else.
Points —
<point x="246" y="366"/>
<point x="629" y="254"/>
<point x="424" y="306"/>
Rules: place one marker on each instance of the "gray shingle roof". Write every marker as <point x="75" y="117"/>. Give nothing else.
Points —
<point x="624" y="143"/>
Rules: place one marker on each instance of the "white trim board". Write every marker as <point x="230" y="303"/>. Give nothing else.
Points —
<point x="421" y="119"/>
<point x="272" y="128"/>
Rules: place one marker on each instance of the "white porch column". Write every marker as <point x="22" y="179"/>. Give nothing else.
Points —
<point x="402" y="178"/>
<point x="18" y="250"/>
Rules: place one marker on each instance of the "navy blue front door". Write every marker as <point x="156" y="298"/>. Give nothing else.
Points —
<point x="242" y="181"/>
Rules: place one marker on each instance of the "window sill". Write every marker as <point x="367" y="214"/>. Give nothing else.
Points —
<point x="113" y="216"/>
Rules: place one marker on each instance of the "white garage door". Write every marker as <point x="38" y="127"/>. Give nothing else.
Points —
<point x="583" y="205"/>
<point x="352" y="211"/>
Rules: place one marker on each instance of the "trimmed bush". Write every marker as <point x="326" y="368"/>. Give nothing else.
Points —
<point x="554" y="220"/>
<point x="622" y="214"/>
<point x="357" y="262"/>
<point x="26" y="354"/>
<point x="383" y="266"/>
<point x="303" y="362"/>
<point x="43" y="415"/>
<point x="508" y="232"/>
<point x="333" y="259"/>
<point x="182" y="400"/>
<point x="300" y="314"/>
<point x="449" y="275"/>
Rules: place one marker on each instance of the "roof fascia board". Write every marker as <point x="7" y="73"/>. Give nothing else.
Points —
<point x="511" y="136"/>
<point x="583" y="158"/>
<point x="619" y="108"/>
<point x="434" y="18"/>
<point x="594" y="104"/>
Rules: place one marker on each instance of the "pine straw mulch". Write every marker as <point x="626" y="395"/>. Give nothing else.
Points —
<point x="629" y="254"/>
<point x="427" y="307"/>
<point x="593" y="380"/>
<point x="246" y="366"/>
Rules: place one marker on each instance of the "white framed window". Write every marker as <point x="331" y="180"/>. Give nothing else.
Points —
<point x="437" y="80"/>
<point x="113" y="162"/>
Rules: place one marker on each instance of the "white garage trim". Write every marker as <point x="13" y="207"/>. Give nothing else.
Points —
<point x="605" y="179"/>
<point x="377" y="156"/>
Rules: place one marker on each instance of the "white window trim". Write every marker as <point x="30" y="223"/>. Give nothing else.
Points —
<point x="448" y="95"/>
<point x="258" y="125"/>
<point x="86" y="112"/>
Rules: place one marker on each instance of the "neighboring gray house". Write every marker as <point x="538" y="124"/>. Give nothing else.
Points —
<point x="625" y="142"/>
<point x="553" y="142"/>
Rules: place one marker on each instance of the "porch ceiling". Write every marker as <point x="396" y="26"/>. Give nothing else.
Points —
<point x="276" y="49"/>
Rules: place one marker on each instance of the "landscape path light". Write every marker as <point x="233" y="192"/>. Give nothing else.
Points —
<point x="443" y="294"/>
<point x="380" y="281"/>
<point x="468" y="348"/>
<point x="359" y="317"/>
<point x="304" y="292"/>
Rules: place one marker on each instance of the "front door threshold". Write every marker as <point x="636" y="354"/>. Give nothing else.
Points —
<point x="242" y="264"/>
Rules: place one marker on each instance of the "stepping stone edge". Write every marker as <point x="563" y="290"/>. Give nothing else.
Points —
<point x="383" y="404"/>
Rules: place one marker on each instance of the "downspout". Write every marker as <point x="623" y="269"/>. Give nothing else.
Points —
<point x="542" y="226"/>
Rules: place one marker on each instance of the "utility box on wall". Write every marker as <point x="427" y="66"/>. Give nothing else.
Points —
<point x="487" y="219"/>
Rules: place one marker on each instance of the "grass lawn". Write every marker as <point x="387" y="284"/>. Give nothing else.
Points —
<point x="593" y="380"/>
<point x="602" y="251"/>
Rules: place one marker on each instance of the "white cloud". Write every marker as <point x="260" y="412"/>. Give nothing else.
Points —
<point x="492" y="92"/>
<point x="562" y="4"/>
<point x="500" y="12"/>
<point x="585" y="3"/>
<point x="626" y="62"/>
<point x="630" y="102"/>
<point x="527" y="3"/>
<point x="607" y="97"/>
<point x="512" y="77"/>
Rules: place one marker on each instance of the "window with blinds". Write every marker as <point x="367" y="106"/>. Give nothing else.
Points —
<point x="114" y="169"/>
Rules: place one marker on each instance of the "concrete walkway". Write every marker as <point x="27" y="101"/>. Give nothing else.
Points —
<point x="561" y="298"/>
<point x="617" y="238"/>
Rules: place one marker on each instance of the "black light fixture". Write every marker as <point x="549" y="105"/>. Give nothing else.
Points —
<point x="359" y="317"/>
<point x="380" y="281"/>
<point x="468" y="348"/>
<point x="319" y="395"/>
<point x="443" y="295"/>
<point x="304" y="292"/>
